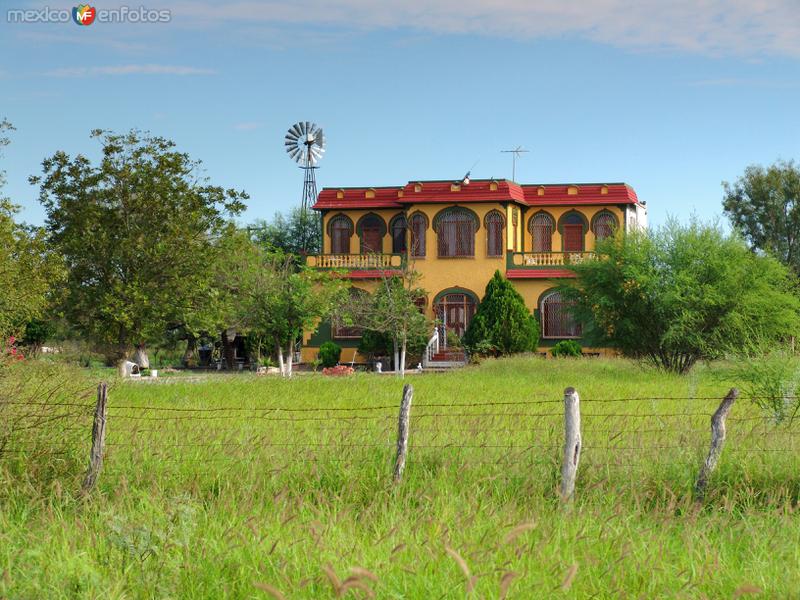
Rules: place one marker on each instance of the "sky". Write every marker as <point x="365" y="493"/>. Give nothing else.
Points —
<point x="672" y="98"/>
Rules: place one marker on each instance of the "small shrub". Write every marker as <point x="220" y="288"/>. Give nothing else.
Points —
<point x="374" y="344"/>
<point x="329" y="354"/>
<point x="566" y="348"/>
<point x="771" y="381"/>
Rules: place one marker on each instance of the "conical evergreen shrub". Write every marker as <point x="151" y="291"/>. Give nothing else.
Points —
<point x="502" y="324"/>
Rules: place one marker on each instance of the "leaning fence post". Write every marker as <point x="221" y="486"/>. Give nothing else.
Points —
<point x="572" y="443"/>
<point x="402" y="432"/>
<point x="717" y="441"/>
<point x="98" y="439"/>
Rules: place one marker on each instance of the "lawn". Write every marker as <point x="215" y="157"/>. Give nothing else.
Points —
<point x="257" y="487"/>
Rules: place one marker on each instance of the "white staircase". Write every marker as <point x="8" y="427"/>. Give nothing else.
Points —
<point x="437" y="356"/>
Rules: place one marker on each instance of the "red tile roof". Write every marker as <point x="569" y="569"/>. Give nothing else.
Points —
<point x="539" y="273"/>
<point x="478" y="190"/>
<point x="372" y="274"/>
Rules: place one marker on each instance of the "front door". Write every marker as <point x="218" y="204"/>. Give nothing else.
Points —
<point x="573" y="238"/>
<point x="371" y="239"/>
<point x="455" y="311"/>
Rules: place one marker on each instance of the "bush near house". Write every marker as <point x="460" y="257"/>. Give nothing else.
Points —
<point x="329" y="354"/>
<point x="502" y="324"/>
<point x="567" y="348"/>
<point x="683" y="293"/>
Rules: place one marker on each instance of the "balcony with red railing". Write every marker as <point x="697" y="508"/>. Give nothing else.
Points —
<point x="543" y="265"/>
<point x="360" y="266"/>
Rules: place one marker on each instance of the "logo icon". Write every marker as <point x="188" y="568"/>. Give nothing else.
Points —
<point x="83" y="14"/>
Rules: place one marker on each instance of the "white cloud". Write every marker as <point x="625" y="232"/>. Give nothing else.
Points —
<point x="128" y="70"/>
<point x="248" y="126"/>
<point x="716" y="27"/>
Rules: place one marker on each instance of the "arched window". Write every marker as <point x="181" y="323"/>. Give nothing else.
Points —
<point x="494" y="222"/>
<point x="455" y="229"/>
<point x="421" y="302"/>
<point x="340" y="229"/>
<point x="573" y="229"/>
<point x="603" y="225"/>
<point x="358" y="303"/>
<point x="398" y="227"/>
<point x="557" y="319"/>
<point x="371" y="228"/>
<point x="419" y="224"/>
<point x="541" y="228"/>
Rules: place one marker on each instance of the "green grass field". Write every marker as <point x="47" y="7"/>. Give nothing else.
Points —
<point x="269" y="495"/>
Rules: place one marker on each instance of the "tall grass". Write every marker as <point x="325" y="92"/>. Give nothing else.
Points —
<point x="254" y="502"/>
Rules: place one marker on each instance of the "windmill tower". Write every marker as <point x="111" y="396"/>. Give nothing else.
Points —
<point x="305" y="144"/>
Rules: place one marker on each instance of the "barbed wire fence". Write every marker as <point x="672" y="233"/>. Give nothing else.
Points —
<point x="619" y="433"/>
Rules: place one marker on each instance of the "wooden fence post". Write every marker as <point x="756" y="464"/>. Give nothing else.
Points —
<point x="98" y="439"/>
<point x="402" y="432"/>
<point x="572" y="443"/>
<point x="717" y="441"/>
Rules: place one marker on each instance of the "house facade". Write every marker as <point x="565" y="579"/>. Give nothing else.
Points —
<point x="457" y="234"/>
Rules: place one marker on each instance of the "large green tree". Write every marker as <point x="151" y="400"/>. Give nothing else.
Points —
<point x="683" y="293"/>
<point x="392" y="310"/>
<point x="277" y="302"/>
<point x="297" y="233"/>
<point x="139" y="232"/>
<point x="764" y="204"/>
<point x="502" y="324"/>
<point x="28" y="270"/>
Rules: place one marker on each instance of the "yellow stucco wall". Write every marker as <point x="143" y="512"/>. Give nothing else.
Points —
<point x="468" y="273"/>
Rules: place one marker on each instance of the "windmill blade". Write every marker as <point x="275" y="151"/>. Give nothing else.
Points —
<point x="304" y="142"/>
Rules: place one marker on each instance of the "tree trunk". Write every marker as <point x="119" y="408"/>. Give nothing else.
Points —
<point x="396" y="362"/>
<point x="403" y="359"/>
<point x="289" y="360"/>
<point x="140" y="357"/>
<point x="190" y="355"/>
<point x="280" y="359"/>
<point x="228" y="352"/>
<point x="119" y="355"/>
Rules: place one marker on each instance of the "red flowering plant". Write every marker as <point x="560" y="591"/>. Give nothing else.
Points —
<point x="338" y="370"/>
<point x="9" y="351"/>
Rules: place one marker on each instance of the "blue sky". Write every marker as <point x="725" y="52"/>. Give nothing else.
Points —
<point x="672" y="98"/>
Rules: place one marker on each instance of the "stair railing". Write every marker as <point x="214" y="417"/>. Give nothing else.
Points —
<point x="432" y="348"/>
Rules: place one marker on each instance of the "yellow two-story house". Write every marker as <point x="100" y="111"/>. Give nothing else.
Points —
<point x="457" y="234"/>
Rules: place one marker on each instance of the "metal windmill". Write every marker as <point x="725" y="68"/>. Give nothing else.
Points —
<point x="305" y="144"/>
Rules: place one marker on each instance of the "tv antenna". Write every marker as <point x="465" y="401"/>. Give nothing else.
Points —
<point x="515" y="152"/>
